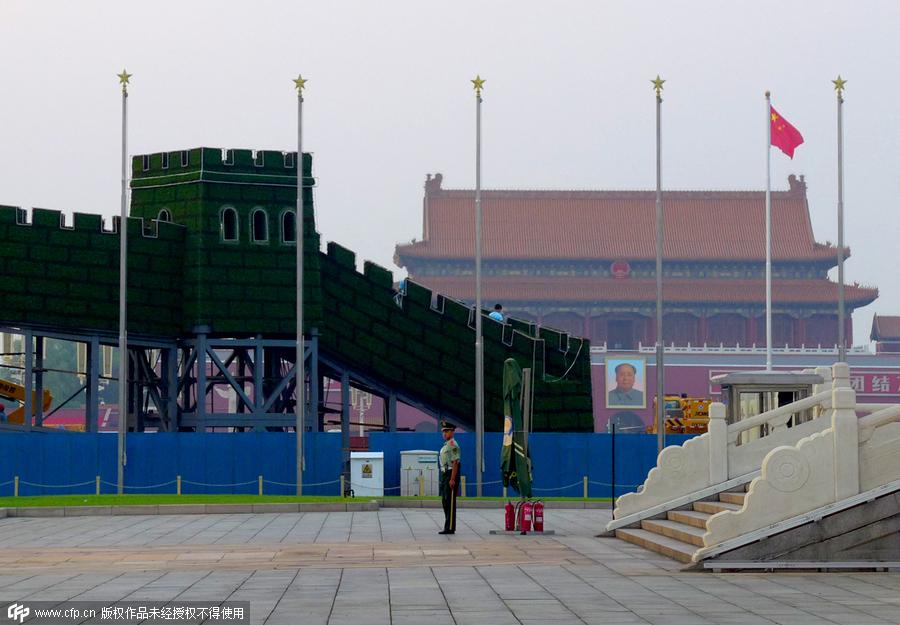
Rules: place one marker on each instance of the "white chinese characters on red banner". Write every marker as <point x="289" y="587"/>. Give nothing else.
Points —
<point x="869" y="383"/>
<point x="878" y="383"/>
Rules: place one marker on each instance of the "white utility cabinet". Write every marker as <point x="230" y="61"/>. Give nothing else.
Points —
<point x="367" y="473"/>
<point x="415" y="464"/>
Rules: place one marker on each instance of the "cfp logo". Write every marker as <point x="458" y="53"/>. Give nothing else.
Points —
<point x="17" y="612"/>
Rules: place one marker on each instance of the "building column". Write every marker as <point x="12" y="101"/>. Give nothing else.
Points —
<point x="345" y="428"/>
<point x="29" y="379"/>
<point x="170" y="376"/>
<point x="799" y="331"/>
<point x="39" y="380"/>
<point x="311" y="417"/>
<point x="751" y="329"/>
<point x="392" y="412"/>
<point x="702" y="331"/>
<point x="92" y="385"/>
<point x="200" y="409"/>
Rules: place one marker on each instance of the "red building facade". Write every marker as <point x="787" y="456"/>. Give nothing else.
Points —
<point x="886" y="334"/>
<point x="584" y="262"/>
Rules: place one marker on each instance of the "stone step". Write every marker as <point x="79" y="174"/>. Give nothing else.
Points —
<point x="673" y="529"/>
<point x="669" y="547"/>
<point x="737" y="498"/>
<point x="689" y="517"/>
<point x="712" y="507"/>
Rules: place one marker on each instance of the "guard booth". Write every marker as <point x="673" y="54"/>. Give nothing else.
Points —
<point x="750" y="393"/>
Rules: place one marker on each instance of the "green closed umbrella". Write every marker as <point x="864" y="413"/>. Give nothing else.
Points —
<point x="515" y="463"/>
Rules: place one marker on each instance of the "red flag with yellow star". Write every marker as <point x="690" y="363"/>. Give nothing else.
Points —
<point x="784" y="136"/>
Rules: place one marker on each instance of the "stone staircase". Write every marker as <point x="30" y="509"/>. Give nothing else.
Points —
<point x="825" y="490"/>
<point x="680" y="534"/>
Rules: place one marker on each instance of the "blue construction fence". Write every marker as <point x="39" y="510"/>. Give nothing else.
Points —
<point x="231" y="463"/>
<point x="560" y="461"/>
<point x="208" y="463"/>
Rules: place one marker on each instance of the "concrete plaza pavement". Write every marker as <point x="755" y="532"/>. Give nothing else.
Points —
<point x="391" y="567"/>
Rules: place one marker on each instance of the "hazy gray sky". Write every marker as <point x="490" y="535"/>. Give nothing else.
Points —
<point x="568" y="102"/>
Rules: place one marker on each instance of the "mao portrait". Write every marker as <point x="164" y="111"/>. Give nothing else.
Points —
<point x="626" y="383"/>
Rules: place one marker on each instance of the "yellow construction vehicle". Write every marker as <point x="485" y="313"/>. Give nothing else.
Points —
<point x="16" y="392"/>
<point x="684" y="415"/>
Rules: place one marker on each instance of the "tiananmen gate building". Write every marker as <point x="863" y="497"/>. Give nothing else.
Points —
<point x="584" y="262"/>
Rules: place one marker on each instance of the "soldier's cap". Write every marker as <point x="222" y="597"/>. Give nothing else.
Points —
<point x="446" y="425"/>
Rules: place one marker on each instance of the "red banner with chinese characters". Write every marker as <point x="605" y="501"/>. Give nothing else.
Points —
<point x="868" y="384"/>
<point x="879" y="383"/>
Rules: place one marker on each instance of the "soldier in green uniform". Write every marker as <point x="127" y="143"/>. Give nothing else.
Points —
<point x="449" y="477"/>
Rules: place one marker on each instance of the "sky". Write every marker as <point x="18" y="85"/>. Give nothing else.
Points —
<point x="568" y="102"/>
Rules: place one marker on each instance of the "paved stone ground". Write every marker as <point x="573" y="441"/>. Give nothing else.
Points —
<point x="390" y="567"/>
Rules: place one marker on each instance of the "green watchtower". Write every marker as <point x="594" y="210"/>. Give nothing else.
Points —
<point x="238" y="208"/>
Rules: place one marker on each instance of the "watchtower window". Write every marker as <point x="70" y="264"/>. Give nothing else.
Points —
<point x="185" y="158"/>
<point x="164" y="215"/>
<point x="145" y="162"/>
<point x="165" y="160"/>
<point x="288" y="227"/>
<point x="288" y="160"/>
<point x="260" y="223"/>
<point x="229" y="225"/>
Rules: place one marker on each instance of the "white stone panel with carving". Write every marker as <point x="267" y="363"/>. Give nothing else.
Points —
<point x="879" y="456"/>
<point x="680" y="470"/>
<point x="794" y="480"/>
<point x="743" y="459"/>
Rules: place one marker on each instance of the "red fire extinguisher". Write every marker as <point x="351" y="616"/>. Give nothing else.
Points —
<point x="510" y="517"/>
<point x="539" y="516"/>
<point x="526" y="516"/>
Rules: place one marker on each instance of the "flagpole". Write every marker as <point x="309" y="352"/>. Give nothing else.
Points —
<point x="300" y="358"/>
<point x="768" y="232"/>
<point x="479" y="346"/>
<point x="842" y="346"/>
<point x="660" y="346"/>
<point x="123" y="295"/>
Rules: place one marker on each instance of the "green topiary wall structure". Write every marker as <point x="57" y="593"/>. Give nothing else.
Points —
<point x="186" y="278"/>
<point x="67" y="277"/>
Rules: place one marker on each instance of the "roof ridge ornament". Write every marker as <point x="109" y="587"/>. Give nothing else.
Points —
<point x="433" y="184"/>
<point x="797" y="184"/>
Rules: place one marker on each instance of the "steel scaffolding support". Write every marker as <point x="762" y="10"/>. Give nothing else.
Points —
<point x="256" y="373"/>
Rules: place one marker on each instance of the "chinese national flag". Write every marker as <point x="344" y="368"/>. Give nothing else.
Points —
<point x="784" y="136"/>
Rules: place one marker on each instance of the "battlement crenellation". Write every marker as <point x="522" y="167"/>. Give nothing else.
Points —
<point x="49" y="219"/>
<point x="221" y="160"/>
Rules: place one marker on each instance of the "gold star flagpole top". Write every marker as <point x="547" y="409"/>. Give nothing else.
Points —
<point x="300" y="84"/>
<point x="478" y="82"/>
<point x="124" y="77"/>
<point x="839" y="86"/>
<point x="658" y="85"/>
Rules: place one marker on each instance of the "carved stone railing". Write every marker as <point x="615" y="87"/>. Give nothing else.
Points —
<point x="716" y="460"/>
<point x="852" y="456"/>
